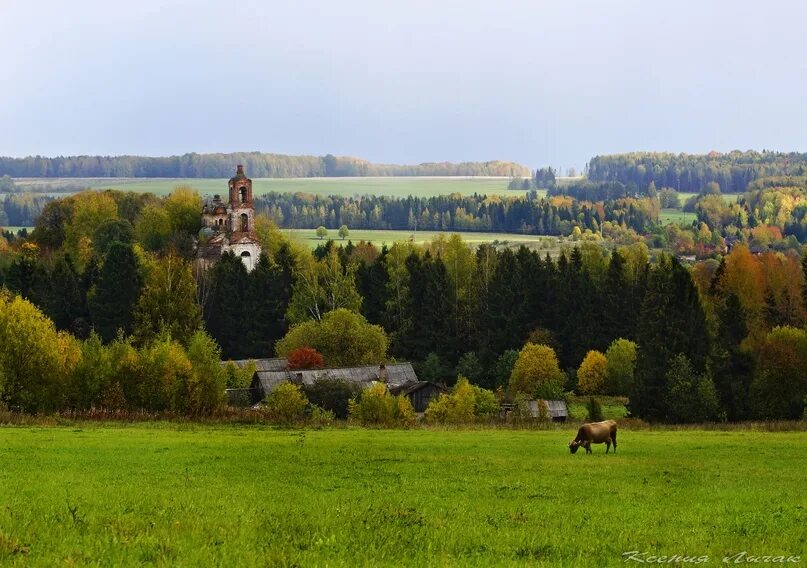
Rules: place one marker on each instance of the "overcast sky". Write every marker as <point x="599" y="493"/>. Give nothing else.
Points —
<point x="552" y="82"/>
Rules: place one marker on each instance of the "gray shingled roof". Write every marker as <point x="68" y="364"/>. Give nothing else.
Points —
<point x="277" y="364"/>
<point x="397" y="374"/>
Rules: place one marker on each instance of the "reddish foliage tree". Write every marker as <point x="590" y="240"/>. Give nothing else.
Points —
<point x="305" y="358"/>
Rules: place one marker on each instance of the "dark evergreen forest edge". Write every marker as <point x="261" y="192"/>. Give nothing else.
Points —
<point x="258" y="164"/>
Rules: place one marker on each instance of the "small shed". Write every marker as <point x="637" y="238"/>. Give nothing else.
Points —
<point x="419" y="393"/>
<point x="558" y="412"/>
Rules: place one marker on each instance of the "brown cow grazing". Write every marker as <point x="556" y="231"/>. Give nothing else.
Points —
<point x="595" y="433"/>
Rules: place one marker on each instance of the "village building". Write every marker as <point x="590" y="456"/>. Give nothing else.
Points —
<point x="400" y="378"/>
<point x="230" y="226"/>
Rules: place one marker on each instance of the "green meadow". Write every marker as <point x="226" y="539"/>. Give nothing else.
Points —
<point x="200" y="495"/>
<point x="379" y="238"/>
<point x="676" y="216"/>
<point x="347" y="186"/>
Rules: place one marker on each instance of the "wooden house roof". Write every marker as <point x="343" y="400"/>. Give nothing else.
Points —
<point x="398" y="374"/>
<point x="275" y="364"/>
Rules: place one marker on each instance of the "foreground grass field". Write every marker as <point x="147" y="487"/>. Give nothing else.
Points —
<point x="253" y="496"/>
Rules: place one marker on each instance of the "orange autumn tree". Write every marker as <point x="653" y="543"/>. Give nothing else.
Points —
<point x="784" y="281"/>
<point x="743" y="277"/>
<point x="305" y="358"/>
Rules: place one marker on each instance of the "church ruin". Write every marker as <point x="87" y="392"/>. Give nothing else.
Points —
<point x="230" y="226"/>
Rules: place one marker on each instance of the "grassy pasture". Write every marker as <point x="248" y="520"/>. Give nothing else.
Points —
<point x="676" y="216"/>
<point x="197" y="495"/>
<point x="379" y="238"/>
<point x="348" y="186"/>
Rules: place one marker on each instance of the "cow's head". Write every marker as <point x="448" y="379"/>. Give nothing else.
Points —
<point x="573" y="445"/>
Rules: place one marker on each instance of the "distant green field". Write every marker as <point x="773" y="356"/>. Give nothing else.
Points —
<point x="195" y="495"/>
<point x="730" y="197"/>
<point x="676" y="216"/>
<point x="15" y="229"/>
<point x="379" y="238"/>
<point x="395" y="186"/>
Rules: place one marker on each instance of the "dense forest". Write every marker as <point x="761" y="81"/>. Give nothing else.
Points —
<point x="21" y="210"/>
<point x="528" y="215"/>
<point x="260" y="165"/>
<point x="106" y="291"/>
<point x="691" y="172"/>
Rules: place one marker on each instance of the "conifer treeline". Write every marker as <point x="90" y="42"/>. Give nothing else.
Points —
<point x="529" y="215"/>
<point x="733" y="171"/>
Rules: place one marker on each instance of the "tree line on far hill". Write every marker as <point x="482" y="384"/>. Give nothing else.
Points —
<point x="689" y="173"/>
<point x="258" y="164"/>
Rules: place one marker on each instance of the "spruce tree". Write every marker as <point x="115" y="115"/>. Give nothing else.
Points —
<point x="26" y="276"/>
<point x="66" y="302"/>
<point x="429" y="308"/>
<point x="112" y="300"/>
<point x="267" y="302"/>
<point x="672" y="322"/>
<point x="731" y="367"/>
<point x="616" y="311"/>
<point x="371" y="282"/>
<point x="502" y="306"/>
<point x="228" y="317"/>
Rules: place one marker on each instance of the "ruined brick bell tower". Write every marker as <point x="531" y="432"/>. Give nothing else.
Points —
<point x="230" y="228"/>
<point x="242" y="212"/>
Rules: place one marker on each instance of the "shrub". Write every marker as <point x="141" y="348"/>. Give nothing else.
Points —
<point x="465" y="403"/>
<point x="239" y="377"/>
<point x="591" y="374"/>
<point x="36" y="361"/>
<point x="454" y="408"/>
<point x="593" y="410"/>
<point x="112" y="397"/>
<point x="305" y="358"/>
<point x="376" y="405"/>
<point x="206" y="384"/>
<point x="486" y="404"/>
<point x="320" y="416"/>
<point x="163" y="373"/>
<point x="536" y="373"/>
<point x="690" y="397"/>
<point x="286" y="403"/>
<point x="333" y="395"/>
